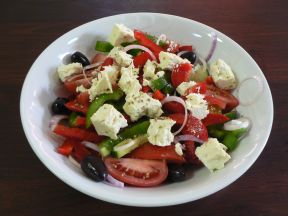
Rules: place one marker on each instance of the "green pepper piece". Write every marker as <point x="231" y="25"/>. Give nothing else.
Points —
<point x="230" y="141"/>
<point x="103" y="46"/>
<point x="238" y="133"/>
<point x="168" y="89"/>
<point x="159" y="83"/>
<point x="72" y="119"/>
<point x="232" y="115"/>
<point x="99" y="101"/>
<point x="151" y="37"/>
<point x="213" y="132"/>
<point x="107" y="145"/>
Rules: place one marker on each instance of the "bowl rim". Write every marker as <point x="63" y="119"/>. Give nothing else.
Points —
<point x="230" y="179"/>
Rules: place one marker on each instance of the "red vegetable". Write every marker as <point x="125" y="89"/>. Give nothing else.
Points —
<point x="174" y="107"/>
<point x="145" y="89"/>
<point x="107" y="62"/>
<point x="178" y="117"/>
<point x="83" y="98"/>
<point x="153" y="152"/>
<point x="158" y="95"/>
<point x="186" y="48"/>
<point x="67" y="147"/>
<point x="71" y="85"/>
<point x="80" y="151"/>
<point x="189" y="153"/>
<point x="172" y="47"/>
<point x="214" y="118"/>
<point x="181" y="73"/>
<point x="199" y="88"/>
<point x="145" y="41"/>
<point x="76" y="107"/>
<point x="140" y="60"/>
<point x="196" y="128"/>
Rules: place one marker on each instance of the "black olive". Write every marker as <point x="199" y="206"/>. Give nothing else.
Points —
<point x="191" y="56"/>
<point x="58" y="106"/>
<point x="80" y="58"/>
<point x="94" y="168"/>
<point x="176" y="173"/>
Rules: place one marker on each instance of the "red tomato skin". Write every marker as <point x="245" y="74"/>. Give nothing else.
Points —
<point x="196" y="128"/>
<point x="178" y="117"/>
<point x="134" y="174"/>
<point x="77" y="107"/>
<point x="186" y="48"/>
<point x="181" y="73"/>
<point x="174" y="107"/>
<point x="158" y="95"/>
<point x="152" y="152"/>
<point x="214" y="118"/>
<point x="67" y="147"/>
<point x="189" y="153"/>
<point x="140" y="60"/>
<point x="199" y="88"/>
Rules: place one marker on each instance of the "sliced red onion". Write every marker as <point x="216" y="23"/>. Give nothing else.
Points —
<point x="236" y="124"/>
<point x="130" y="47"/>
<point x="55" y="120"/>
<point x="95" y="65"/>
<point x="84" y="74"/>
<point x="162" y="37"/>
<point x="259" y="88"/>
<point x="182" y="52"/>
<point x="74" y="162"/>
<point x="91" y="145"/>
<point x="113" y="182"/>
<point x="187" y="138"/>
<point x="213" y="46"/>
<point x="74" y="76"/>
<point x="182" y="102"/>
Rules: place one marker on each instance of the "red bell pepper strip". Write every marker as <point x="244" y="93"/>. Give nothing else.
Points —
<point x="80" y="151"/>
<point x="145" y="89"/>
<point x="144" y="41"/>
<point x="67" y="147"/>
<point x="158" y="95"/>
<point x="186" y="48"/>
<point x="140" y="60"/>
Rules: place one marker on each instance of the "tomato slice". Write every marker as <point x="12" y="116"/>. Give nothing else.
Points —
<point x="137" y="172"/>
<point x="186" y="48"/>
<point x="145" y="89"/>
<point x="158" y="95"/>
<point x="67" y="147"/>
<point x="99" y="57"/>
<point x="214" y="100"/>
<point x="178" y="117"/>
<point x="181" y="73"/>
<point x="107" y="62"/>
<point x="196" y="128"/>
<point x="152" y="152"/>
<point x="189" y="153"/>
<point x="73" y="84"/>
<point x="83" y="98"/>
<point x="77" y="133"/>
<point x="214" y="118"/>
<point x="140" y="60"/>
<point x="80" y="151"/>
<point x="174" y="107"/>
<point x="77" y="107"/>
<point x="199" y="88"/>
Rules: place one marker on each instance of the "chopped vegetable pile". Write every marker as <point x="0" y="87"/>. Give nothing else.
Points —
<point x="145" y="109"/>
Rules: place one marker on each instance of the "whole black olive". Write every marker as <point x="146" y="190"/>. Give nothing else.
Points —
<point x="58" y="106"/>
<point x="176" y="173"/>
<point x="191" y="56"/>
<point x="94" y="168"/>
<point x="80" y="58"/>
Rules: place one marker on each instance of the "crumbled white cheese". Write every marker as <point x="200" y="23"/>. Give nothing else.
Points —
<point x="140" y="104"/>
<point x="108" y="121"/>
<point x="128" y="81"/>
<point x="81" y="89"/>
<point x="222" y="75"/>
<point x="182" y="88"/>
<point x="122" y="58"/>
<point x="159" y="131"/>
<point x="212" y="154"/>
<point x="169" y="60"/>
<point x="65" y="71"/>
<point x="197" y="105"/>
<point x="120" y="34"/>
<point x="178" y="149"/>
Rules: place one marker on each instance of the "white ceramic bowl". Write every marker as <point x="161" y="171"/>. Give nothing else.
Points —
<point x="40" y="89"/>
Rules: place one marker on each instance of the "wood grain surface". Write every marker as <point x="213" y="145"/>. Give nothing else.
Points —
<point x="29" y="26"/>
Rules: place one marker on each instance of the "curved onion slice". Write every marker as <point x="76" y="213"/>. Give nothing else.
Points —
<point x="213" y="46"/>
<point x="91" y="145"/>
<point x="130" y="47"/>
<point x="259" y="88"/>
<point x="182" y="102"/>
<point x="114" y="182"/>
<point x="161" y="37"/>
<point x="182" y="52"/>
<point x="187" y="138"/>
<point x="55" y="120"/>
<point x="240" y="123"/>
<point x="74" y="162"/>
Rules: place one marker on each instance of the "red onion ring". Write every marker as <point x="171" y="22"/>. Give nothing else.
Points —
<point x="187" y="138"/>
<point x="95" y="65"/>
<point x="91" y="145"/>
<point x="182" y="102"/>
<point x="213" y="46"/>
<point x="55" y="120"/>
<point x="130" y="47"/>
<point x="114" y="182"/>
<point x="74" y="162"/>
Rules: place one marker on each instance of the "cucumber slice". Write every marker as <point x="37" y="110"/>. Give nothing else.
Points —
<point x="128" y="145"/>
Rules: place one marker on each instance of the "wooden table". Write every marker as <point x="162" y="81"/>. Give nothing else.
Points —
<point x="27" y="27"/>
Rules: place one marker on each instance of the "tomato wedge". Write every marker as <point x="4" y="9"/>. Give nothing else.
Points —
<point x="152" y="152"/>
<point x="196" y="128"/>
<point x="73" y="84"/>
<point x="214" y="118"/>
<point x="80" y="151"/>
<point x="174" y="107"/>
<point x="199" y="88"/>
<point x="189" y="153"/>
<point x="178" y="117"/>
<point x="83" y="98"/>
<point x="67" y="147"/>
<point x="158" y="95"/>
<point x="181" y="73"/>
<point x="140" y="60"/>
<point x="137" y="172"/>
<point x="107" y="62"/>
<point x="77" y="133"/>
<point x="77" y="107"/>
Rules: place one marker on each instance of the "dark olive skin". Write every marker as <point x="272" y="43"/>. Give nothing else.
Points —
<point x="191" y="56"/>
<point x="80" y="58"/>
<point x="94" y="168"/>
<point x="58" y="106"/>
<point x="176" y="173"/>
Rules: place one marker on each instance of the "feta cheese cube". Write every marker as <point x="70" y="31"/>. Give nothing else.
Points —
<point x="212" y="154"/>
<point x="108" y="121"/>
<point x="139" y="104"/>
<point x="81" y="89"/>
<point x="159" y="131"/>
<point x="178" y="149"/>
<point x="103" y="82"/>
<point x="65" y="71"/>
<point x="197" y="105"/>
<point x="122" y="58"/>
<point x="150" y="73"/>
<point x="128" y="81"/>
<point x="169" y="60"/>
<point x="120" y="34"/>
<point x="182" y="88"/>
<point x="222" y="75"/>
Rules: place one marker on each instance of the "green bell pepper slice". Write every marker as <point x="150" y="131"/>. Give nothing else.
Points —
<point x="103" y="46"/>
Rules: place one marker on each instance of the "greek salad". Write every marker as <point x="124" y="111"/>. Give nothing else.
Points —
<point x="145" y="109"/>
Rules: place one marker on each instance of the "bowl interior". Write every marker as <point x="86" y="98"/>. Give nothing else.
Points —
<point x="41" y="87"/>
